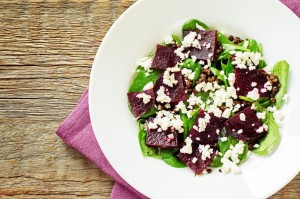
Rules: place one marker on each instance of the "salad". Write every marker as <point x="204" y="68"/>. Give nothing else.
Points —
<point x="205" y="100"/>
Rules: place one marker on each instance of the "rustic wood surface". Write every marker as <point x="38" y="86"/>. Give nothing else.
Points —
<point x="46" y="52"/>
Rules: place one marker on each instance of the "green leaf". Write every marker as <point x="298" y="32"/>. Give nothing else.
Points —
<point x="188" y="122"/>
<point x="190" y="64"/>
<point x="203" y="95"/>
<point x="140" y="79"/>
<point x="281" y="69"/>
<point x="253" y="46"/>
<point x="228" y="45"/>
<point x="191" y="25"/>
<point x="224" y="146"/>
<point x="216" y="162"/>
<point x="227" y="68"/>
<point x="197" y="75"/>
<point x="146" y="151"/>
<point x="272" y="137"/>
<point x="176" y="39"/>
<point x="248" y="99"/>
<point x="217" y="73"/>
<point x="167" y="155"/>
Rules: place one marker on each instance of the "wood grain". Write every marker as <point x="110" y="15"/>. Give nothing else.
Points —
<point x="46" y="52"/>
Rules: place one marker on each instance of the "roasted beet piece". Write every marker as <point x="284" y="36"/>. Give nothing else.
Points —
<point x="177" y="93"/>
<point x="211" y="133"/>
<point x="245" y="130"/>
<point x="164" y="58"/>
<point x="137" y="105"/>
<point x="208" y="44"/>
<point x="199" y="165"/>
<point x="246" y="80"/>
<point x="163" y="139"/>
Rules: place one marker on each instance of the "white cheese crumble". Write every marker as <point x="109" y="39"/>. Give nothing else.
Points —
<point x="187" y="148"/>
<point x="146" y="98"/>
<point x="240" y="131"/>
<point x="268" y="69"/>
<point x="205" y="151"/>
<point x="169" y="40"/>
<point x="242" y="117"/>
<point x="188" y="73"/>
<point x="199" y="27"/>
<point x="256" y="146"/>
<point x="223" y="139"/>
<point x="166" y="119"/>
<point x="244" y="60"/>
<point x="161" y="96"/>
<point x="179" y="52"/>
<point x="268" y="86"/>
<point x="146" y="64"/>
<point x="253" y="84"/>
<point x="231" y="79"/>
<point x="194" y="160"/>
<point x="230" y="158"/>
<point x="202" y="123"/>
<point x="254" y="94"/>
<point x="226" y="113"/>
<point x="181" y="107"/>
<point x="169" y="79"/>
<point x="261" y="115"/>
<point x="189" y="39"/>
<point x="148" y="86"/>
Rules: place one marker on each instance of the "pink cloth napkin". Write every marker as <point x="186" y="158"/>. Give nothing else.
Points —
<point x="77" y="132"/>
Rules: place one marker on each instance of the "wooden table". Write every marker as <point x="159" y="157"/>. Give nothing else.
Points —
<point x="46" y="52"/>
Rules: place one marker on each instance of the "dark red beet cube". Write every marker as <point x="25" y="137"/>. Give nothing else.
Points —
<point x="245" y="130"/>
<point x="211" y="133"/>
<point x="177" y="93"/>
<point x="164" y="58"/>
<point x="199" y="165"/>
<point x="208" y="43"/>
<point x="163" y="139"/>
<point x="244" y="79"/>
<point x="137" y="105"/>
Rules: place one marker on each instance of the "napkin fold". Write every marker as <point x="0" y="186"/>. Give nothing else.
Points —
<point x="76" y="131"/>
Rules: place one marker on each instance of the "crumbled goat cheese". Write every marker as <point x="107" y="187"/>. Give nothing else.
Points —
<point x="146" y="98"/>
<point x="268" y="86"/>
<point x="231" y="79"/>
<point x="260" y="129"/>
<point x="278" y="116"/>
<point x="161" y="96"/>
<point x="194" y="100"/>
<point x="189" y="39"/>
<point x="268" y="69"/>
<point x="169" y="79"/>
<point x="230" y="158"/>
<point x="194" y="160"/>
<point x="254" y="94"/>
<point x="199" y="27"/>
<point x="244" y="60"/>
<point x="148" y="86"/>
<point x="240" y="131"/>
<point x="253" y="84"/>
<point x="181" y="107"/>
<point x="187" y="148"/>
<point x="205" y="151"/>
<point x="167" y="106"/>
<point x="224" y="139"/>
<point x="242" y="117"/>
<point x="171" y="136"/>
<point x="202" y="123"/>
<point x="179" y="52"/>
<point x="256" y="146"/>
<point x="166" y="119"/>
<point x="226" y="113"/>
<point x="261" y="115"/>
<point x="246" y="43"/>
<point x="146" y="64"/>
<point x="169" y="40"/>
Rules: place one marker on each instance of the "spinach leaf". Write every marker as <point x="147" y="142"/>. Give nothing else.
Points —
<point x="227" y="68"/>
<point x="281" y="69"/>
<point x="190" y="64"/>
<point x="176" y="39"/>
<point x="191" y="25"/>
<point x="197" y="75"/>
<point x="146" y="151"/>
<point x="140" y="80"/>
<point x="224" y="146"/>
<point x="248" y="99"/>
<point x="217" y="73"/>
<point x="203" y="95"/>
<point x="271" y="138"/>
<point x="253" y="46"/>
<point x="216" y="162"/>
<point x="149" y="113"/>
<point x="188" y="122"/>
<point x="167" y="155"/>
<point x="228" y="45"/>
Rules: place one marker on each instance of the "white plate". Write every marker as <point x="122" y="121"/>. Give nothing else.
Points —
<point x="133" y="36"/>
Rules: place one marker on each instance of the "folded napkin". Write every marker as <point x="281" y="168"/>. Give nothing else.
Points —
<point x="76" y="130"/>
